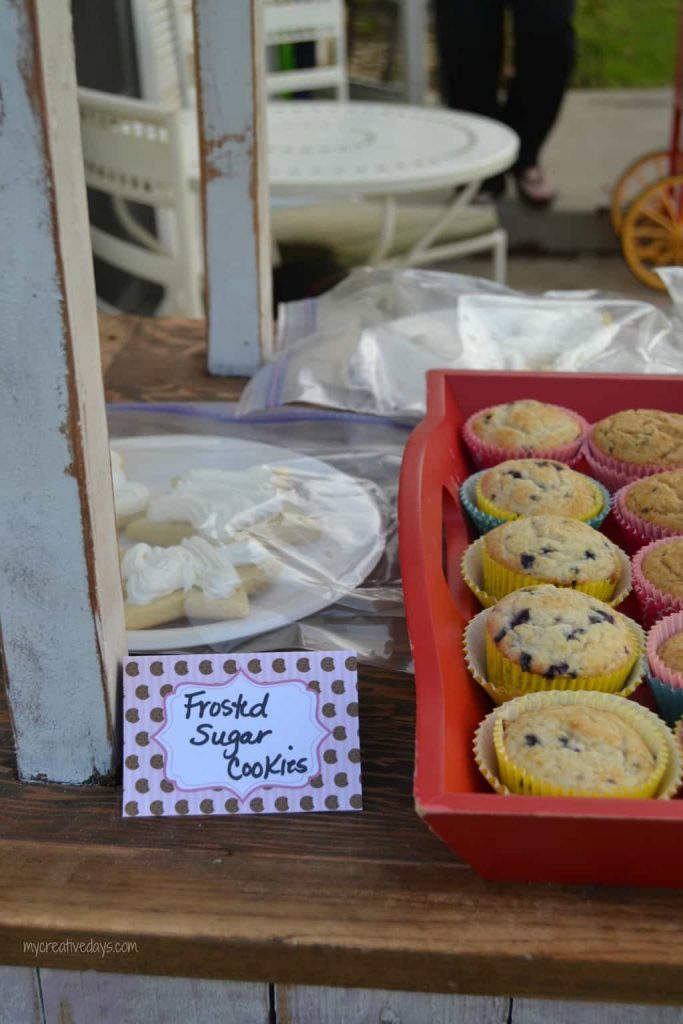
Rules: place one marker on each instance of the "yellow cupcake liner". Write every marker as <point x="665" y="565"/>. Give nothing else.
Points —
<point x="500" y="581"/>
<point x="648" y="726"/>
<point x="489" y="581"/>
<point x="475" y="643"/>
<point x="666" y="776"/>
<point x="491" y="509"/>
<point x="507" y="674"/>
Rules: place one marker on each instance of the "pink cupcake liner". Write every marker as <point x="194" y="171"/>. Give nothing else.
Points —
<point x="637" y="532"/>
<point x="614" y="473"/>
<point x="486" y="455"/>
<point x="654" y="603"/>
<point x="659" y="634"/>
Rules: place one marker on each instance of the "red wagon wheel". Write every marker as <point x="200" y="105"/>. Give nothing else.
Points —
<point x="639" y="175"/>
<point x="652" y="230"/>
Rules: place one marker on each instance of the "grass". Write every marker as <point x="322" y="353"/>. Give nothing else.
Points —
<point x="626" y="43"/>
<point x="621" y="43"/>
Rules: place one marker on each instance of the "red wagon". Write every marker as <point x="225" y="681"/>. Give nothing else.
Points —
<point x="647" y="200"/>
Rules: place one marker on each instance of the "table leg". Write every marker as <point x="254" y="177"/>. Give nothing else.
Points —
<point x="387" y="231"/>
<point x="424" y="251"/>
<point x="460" y="201"/>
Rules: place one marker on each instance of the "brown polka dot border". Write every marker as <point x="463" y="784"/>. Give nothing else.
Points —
<point x="329" y="677"/>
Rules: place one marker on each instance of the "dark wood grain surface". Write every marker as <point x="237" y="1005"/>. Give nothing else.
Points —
<point x="369" y="899"/>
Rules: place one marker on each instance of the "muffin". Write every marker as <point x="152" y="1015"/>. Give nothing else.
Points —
<point x="532" y="487"/>
<point x="658" y="578"/>
<point x="577" y="744"/>
<point x="671" y="653"/>
<point x="551" y="638"/>
<point x="524" y="427"/>
<point x="634" y="443"/>
<point x="583" y="749"/>
<point x="651" y="508"/>
<point x="576" y="750"/>
<point x="665" y="665"/>
<point x="550" y="549"/>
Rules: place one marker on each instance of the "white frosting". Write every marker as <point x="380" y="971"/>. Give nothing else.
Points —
<point x="215" y="572"/>
<point x="219" y="503"/>
<point x="129" y="497"/>
<point x="151" y="572"/>
<point x="248" y="552"/>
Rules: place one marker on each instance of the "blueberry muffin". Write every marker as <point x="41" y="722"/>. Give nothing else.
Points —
<point x="526" y="426"/>
<point x="641" y="437"/>
<point x="532" y="487"/>
<point x="671" y="652"/>
<point x="550" y="549"/>
<point x="547" y="637"/>
<point x="584" y="749"/>
<point x="662" y="566"/>
<point x="658" y="500"/>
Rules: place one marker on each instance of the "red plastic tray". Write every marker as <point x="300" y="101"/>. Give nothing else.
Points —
<point x="620" y="842"/>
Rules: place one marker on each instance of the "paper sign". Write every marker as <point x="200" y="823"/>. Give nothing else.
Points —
<point x="240" y="734"/>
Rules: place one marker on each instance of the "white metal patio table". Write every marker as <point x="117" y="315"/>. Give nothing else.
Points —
<point x="326" y="150"/>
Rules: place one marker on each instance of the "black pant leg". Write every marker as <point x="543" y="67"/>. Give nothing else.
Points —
<point x="544" y="60"/>
<point x="470" y="38"/>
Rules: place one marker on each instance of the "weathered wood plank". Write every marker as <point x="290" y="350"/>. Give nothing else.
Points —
<point x="90" y="997"/>
<point x="371" y="899"/>
<point x="62" y="609"/>
<point x="230" y="91"/>
<point x="20" y="996"/>
<point x="348" y="922"/>
<point x="301" y="1004"/>
<point x="537" y="1011"/>
<point x="160" y="360"/>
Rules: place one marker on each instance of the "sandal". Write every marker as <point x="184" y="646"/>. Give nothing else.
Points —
<point x="535" y="187"/>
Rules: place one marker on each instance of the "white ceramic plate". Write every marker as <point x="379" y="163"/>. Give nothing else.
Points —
<point x="313" y="575"/>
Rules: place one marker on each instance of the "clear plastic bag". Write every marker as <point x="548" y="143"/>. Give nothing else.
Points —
<point x="367" y="343"/>
<point x="319" y="551"/>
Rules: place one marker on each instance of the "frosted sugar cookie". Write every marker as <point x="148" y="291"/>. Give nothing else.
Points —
<point x="221" y="506"/>
<point x="255" y="566"/>
<point x="130" y="498"/>
<point x="197" y="579"/>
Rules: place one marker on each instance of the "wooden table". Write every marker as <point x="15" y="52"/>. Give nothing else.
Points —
<point x="362" y="900"/>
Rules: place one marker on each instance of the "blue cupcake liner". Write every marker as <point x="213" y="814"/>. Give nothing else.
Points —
<point x="484" y="522"/>
<point x="669" y="700"/>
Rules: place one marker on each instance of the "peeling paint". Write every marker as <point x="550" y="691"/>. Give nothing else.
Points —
<point x="48" y="738"/>
<point x="211" y="173"/>
<point x="76" y="467"/>
<point x="210" y="145"/>
<point x="239" y="307"/>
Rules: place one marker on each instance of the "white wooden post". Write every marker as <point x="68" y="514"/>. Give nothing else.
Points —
<point x="61" y="607"/>
<point x="414" y="30"/>
<point x="231" y="88"/>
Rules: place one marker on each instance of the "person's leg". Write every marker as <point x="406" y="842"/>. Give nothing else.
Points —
<point x="544" y="59"/>
<point x="469" y="35"/>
